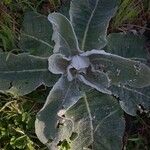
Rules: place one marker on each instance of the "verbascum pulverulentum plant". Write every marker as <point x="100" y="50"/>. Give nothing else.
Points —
<point x="85" y="107"/>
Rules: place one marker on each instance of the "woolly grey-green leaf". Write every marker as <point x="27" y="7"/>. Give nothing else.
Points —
<point x="121" y="71"/>
<point x="36" y="35"/>
<point x="64" y="36"/>
<point x="23" y="73"/>
<point x="131" y="46"/>
<point x="90" y="19"/>
<point x="63" y="95"/>
<point x="96" y="121"/>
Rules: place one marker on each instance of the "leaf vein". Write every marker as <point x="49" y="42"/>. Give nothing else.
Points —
<point x="37" y="39"/>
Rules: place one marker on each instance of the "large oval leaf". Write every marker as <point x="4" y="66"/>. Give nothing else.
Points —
<point x="90" y="19"/>
<point x="121" y="71"/>
<point x="63" y="95"/>
<point x="64" y="36"/>
<point x="129" y="45"/>
<point x="95" y="122"/>
<point x="36" y="35"/>
<point x="23" y="73"/>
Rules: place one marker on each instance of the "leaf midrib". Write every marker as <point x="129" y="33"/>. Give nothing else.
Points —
<point x="24" y="71"/>
<point x="90" y="117"/>
<point x="88" y="24"/>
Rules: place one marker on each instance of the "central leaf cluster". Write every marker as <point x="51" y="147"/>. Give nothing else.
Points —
<point x="79" y="67"/>
<point x="76" y="64"/>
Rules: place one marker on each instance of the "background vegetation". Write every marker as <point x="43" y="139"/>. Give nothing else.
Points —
<point x="17" y="114"/>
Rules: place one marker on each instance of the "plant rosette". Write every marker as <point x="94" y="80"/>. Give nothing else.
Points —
<point x="85" y="107"/>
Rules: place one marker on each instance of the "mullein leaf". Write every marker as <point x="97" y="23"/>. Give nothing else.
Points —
<point x="23" y="73"/>
<point x="63" y="35"/>
<point x="63" y="95"/>
<point x="90" y="19"/>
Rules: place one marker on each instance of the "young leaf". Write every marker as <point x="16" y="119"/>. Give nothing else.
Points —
<point x="63" y="95"/>
<point x="36" y="35"/>
<point x="120" y="70"/>
<point x="90" y="19"/>
<point x="127" y="45"/>
<point x="97" y="123"/>
<point x="97" y="80"/>
<point x="64" y="36"/>
<point x="23" y="73"/>
<point x="58" y="64"/>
